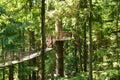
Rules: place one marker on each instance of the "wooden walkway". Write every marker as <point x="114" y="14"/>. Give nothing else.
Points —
<point x="22" y="59"/>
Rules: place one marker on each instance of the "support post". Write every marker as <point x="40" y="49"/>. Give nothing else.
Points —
<point x="59" y="59"/>
<point x="59" y="48"/>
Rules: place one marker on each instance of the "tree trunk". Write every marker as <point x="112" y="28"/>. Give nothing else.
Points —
<point x="58" y="29"/>
<point x="2" y="45"/>
<point x="117" y="36"/>
<point x="41" y="63"/>
<point x="3" y="74"/>
<point x="85" y="48"/>
<point x="59" y="47"/>
<point x="19" y="71"/>
<point x="34" y="76"/>
<point x="59" y="59"/>
<point x="90" y="40"/>
<point x="11" y="72"/>
<point x="80" y="58"/>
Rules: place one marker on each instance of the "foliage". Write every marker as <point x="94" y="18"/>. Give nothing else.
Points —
<point x="76" y="77"/>
<point x="20" y="17"/>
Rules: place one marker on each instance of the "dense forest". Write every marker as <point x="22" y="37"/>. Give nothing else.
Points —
<point x="59" y="40"/>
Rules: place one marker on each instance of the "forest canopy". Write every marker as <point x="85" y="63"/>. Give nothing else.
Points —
<point x="77" y="39"/>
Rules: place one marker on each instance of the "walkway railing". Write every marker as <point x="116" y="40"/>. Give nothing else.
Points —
<point x="10" y="57"/>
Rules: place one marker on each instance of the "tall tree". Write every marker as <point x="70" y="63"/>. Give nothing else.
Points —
<point x="11" y="72"/>
<point x="41" y="65"/>
<point x="85" y="48"/>
<point x="90" y="39"/>
<point x="117" y="28"/>
<point x="59" y="49"/>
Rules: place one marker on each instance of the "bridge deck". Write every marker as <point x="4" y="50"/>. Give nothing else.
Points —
<point x="22" y="59"/>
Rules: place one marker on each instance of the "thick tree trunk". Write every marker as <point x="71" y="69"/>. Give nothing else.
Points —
<point x="59" y="47"/>
<point x="58" y="29"/>
<point x="59" y="59"/>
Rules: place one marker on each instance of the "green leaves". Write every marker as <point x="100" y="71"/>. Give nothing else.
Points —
<point x="2" y="10"/>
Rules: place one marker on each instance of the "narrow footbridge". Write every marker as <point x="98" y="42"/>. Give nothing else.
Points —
<point x="10" y="58"/>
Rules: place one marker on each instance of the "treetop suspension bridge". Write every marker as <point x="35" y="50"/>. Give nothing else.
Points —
<point x="10" y="58"/>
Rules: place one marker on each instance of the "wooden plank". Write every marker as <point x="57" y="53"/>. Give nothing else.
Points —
<point x="62" y="40"/>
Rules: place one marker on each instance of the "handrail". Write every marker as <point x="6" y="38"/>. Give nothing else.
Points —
<point x="22" y="59"/>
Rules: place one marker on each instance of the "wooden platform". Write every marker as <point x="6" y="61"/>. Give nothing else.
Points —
<point x="62" y="40"/>
<point x="25" y="58"/>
